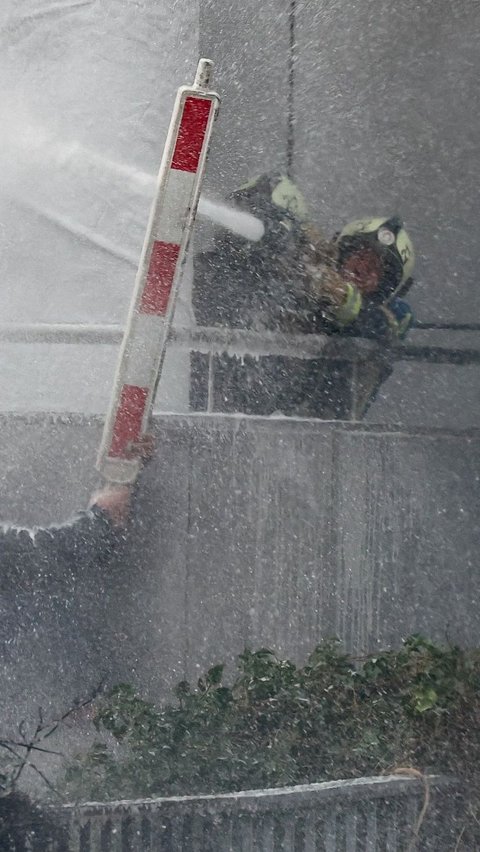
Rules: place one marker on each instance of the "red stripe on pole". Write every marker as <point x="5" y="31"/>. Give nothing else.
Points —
<point x="128" y="420"/>
<point x="161" y="272"/>
<point x="191" y="135"/>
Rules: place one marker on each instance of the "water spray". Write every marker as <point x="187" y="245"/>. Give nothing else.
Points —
<point x="243" y="224"/>
<point x="33" y="147"/>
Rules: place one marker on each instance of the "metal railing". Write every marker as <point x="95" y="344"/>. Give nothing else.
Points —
<point x="382" y="814"/>
<point x="242" y="342"/>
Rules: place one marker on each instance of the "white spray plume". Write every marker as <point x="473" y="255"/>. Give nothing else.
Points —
<point x="244" y="224"/>
<point x="40" y="166"/>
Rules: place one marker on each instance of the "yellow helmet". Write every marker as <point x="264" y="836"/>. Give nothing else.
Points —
<point x="390" y="239"/>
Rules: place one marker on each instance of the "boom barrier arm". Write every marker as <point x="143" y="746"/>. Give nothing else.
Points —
<point x="166" y="241"/>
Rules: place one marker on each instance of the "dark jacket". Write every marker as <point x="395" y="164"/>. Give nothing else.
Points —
<point x="375" y="321"/>
<point x="240" y="285"/>
<point x="88" y="538"/>
<point x="41" y="569"/>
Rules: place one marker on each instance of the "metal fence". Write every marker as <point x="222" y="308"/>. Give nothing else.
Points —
<point x="363" y="815"/>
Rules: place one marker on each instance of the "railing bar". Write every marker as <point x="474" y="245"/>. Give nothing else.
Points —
<point x="351" y="831"/>
<point x="310" y="836"/>
<point x="268" y="832"/>
<point x="331" y="833"/>
<point x="371" y="845"/>
<point x="240" y="343"/>
<point x="392" y="829"/>
<point x="289" y="832"/>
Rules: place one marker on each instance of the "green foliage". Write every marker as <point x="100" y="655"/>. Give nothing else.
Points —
<point x="280" y="724"/>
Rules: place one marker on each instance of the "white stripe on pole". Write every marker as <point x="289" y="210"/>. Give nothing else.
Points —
<point x="145" y="334"/>
<point x="171" y="222"/>
<point x="168" y="233"/>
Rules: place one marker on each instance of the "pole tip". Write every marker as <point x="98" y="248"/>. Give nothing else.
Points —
<point x="204" y="73"/>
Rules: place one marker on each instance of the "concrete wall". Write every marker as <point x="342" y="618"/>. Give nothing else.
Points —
<point x="248" y="531"/>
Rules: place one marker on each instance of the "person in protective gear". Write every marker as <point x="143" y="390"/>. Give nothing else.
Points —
<point x="295" y="280"/>
<point x="362" y="279"/>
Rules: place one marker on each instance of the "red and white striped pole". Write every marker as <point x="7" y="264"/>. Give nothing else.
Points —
<point x="168" y="233"/>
